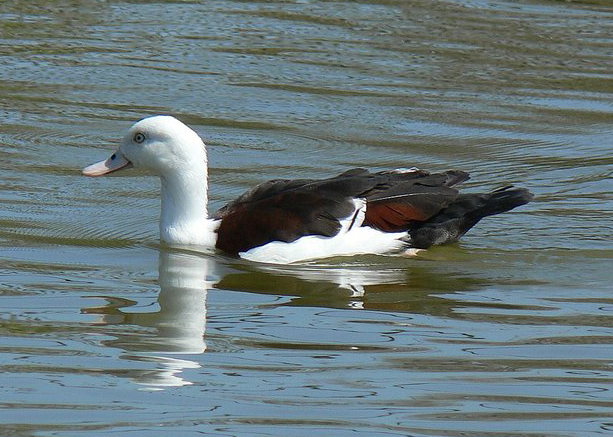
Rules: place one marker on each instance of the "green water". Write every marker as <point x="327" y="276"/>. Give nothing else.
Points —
<point x="505" y="334"/>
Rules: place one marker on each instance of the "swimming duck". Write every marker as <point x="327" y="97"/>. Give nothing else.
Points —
<point x="282" y="221"/>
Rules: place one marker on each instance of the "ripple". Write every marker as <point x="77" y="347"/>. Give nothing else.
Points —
<point x="506" y="333"/>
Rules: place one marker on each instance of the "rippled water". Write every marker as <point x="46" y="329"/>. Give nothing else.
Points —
<point x="507" y="333"/>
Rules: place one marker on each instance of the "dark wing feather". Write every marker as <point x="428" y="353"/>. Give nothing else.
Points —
<point x="285" y="210"/>
<point x="406" y="203"/>
<point x="464" y="213"/>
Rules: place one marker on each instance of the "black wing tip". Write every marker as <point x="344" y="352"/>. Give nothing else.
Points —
<point x="514" y="192"/>
<point x="505" y="199"/>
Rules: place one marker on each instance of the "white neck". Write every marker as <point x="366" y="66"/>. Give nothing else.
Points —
<point x="184" y="219"/>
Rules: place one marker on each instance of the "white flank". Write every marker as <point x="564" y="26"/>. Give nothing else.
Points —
<point x="352" y="239"/>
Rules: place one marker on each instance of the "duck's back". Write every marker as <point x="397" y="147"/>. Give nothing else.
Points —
<point x="424" y="205"/>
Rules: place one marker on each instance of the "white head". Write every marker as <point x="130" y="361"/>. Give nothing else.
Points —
<point x="171" y="150"/>
<point x="160" y="144"/>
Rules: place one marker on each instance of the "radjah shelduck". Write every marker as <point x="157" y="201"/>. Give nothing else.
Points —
<point x="284" y="221"/>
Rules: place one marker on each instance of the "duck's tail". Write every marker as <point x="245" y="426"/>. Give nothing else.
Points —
<point x="465" y="212"/>
<point x="502" y="200"/>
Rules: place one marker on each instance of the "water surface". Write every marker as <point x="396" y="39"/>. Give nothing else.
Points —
<point x="508" y="333"/>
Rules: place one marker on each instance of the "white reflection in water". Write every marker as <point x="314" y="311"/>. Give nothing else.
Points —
<point x="183" y="280"/>
<point x="178" y="324"/>
<point x="181" y="320"/>
<point x="342" y="279"/>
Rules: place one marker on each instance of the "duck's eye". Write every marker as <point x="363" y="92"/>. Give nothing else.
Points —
<point x="139" y="138"/>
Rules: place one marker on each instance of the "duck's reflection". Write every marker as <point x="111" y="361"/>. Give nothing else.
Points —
<point x="176" y="327"/>
<point x="177" y="324"/>
<point x="405" y="286"/>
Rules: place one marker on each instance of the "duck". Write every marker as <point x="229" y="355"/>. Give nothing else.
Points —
<point x="283" y="221"/>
